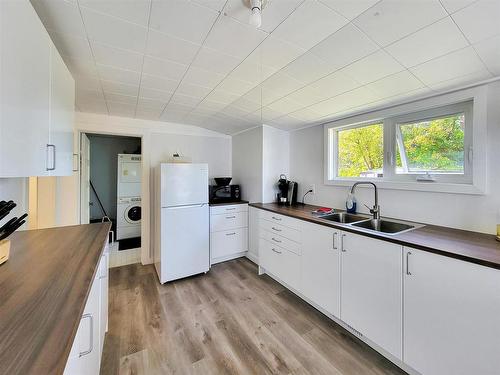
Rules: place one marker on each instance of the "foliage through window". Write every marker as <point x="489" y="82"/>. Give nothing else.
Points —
<point x="431" y="145"/>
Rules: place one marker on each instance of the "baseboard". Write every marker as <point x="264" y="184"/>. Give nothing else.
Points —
<point x="227" y="257"/>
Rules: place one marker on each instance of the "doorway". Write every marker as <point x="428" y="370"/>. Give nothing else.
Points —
<point x="110" y="190"/>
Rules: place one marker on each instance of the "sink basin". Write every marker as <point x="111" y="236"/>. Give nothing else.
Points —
<point x="384" y="226"/>
<point x="343" y="217"/>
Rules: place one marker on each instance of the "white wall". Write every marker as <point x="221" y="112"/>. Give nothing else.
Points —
<point x="472" y="212"/>
<point x="247" y="163"/>
<point x="275" y="160"/>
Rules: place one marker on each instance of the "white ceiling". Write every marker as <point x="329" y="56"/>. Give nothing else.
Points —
<point x="198" y="61"/>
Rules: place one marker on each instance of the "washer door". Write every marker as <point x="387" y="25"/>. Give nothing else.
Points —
<point x="133" y="214"/>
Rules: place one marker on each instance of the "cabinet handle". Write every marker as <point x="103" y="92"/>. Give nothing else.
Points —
<point x="230" y="234"/>
<point x="276" y="218"/>
<point x="230" y="217"/>
<point x="231" y="209"/>
<point x="276" y="229"/>
<point x="53" y="167"/>
<point x="276" y="251"/>
<point x="335" y="234"/>
<point x="275" y="240"/>
<point x="343" y="248"/>
<point x="408" y="263"/>
<point x="91" y="346"/>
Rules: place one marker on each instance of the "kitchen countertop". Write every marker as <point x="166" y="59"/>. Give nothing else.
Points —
<point x="43" y="290"/>
<point x="228" y="203"/>
<point x="469" y="246"/>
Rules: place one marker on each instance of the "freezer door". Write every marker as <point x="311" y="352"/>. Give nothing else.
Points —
<point x="185" y="241"/>
<point x="183" y="184"/>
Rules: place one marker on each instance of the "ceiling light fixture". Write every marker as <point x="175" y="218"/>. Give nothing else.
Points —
<point x="256" y="7"/>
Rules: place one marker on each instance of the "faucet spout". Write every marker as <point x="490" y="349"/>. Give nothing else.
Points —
<point x="375" y="211"/>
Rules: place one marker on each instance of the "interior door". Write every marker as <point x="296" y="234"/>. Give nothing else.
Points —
<point x="84" y="179"/>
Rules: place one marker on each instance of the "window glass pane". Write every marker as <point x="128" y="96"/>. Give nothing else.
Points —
<point x="435" y="146"/>
<point x="361" y="151"/>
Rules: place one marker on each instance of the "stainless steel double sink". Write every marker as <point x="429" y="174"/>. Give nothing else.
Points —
<point x="364" y="222"/>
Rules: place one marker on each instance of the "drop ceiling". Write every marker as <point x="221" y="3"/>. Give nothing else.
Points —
<point x="199" y="62"/>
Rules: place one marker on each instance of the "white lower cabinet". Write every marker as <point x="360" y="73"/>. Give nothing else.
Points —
<point x="371" y="298"/>
<point x="321" y="266"/>
<point x="85" y="354"/>
<point x="253" y="234"/>
<point x="451" y="315"/>
<point x="280" y="262"/>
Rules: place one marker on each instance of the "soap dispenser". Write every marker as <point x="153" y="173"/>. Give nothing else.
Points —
<point x="350" y="203"/>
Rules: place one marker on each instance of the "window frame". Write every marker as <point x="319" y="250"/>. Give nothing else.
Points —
<point x="473" y="180"/>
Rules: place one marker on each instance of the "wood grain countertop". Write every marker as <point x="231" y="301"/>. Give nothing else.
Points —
<point x="469" y="246"/>
<point x="43" y="290"/>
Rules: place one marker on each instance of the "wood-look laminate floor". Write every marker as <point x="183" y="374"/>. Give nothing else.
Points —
<point x="229" y="321"/>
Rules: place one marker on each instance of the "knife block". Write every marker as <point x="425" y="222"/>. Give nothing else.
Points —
<point x="4" y="250"/>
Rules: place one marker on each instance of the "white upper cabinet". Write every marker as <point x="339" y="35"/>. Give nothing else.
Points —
<point x="321" y="266"/>
<point x="372" y="290"/>
<point x="451" y="315"/>
<point x="36" y="97"/>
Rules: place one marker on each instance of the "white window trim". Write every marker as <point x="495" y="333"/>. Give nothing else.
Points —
<point x="476" y="185"/>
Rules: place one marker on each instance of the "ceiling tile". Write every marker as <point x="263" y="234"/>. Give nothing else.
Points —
<point x="212" y="4"/>
<point x="184" y="100"/>
<point x="120" y="88"/>
<point x="158" y="83"/>
<point x="453" y="5"/>
<point x="351" y="99"/>
<point x="136" y="11"/>
<point x="87" y="82"/>
<point x="390" y="20"/>
<point x="178" y="108"/>
<point x="334" y="84"/>
<point x="278" y="86"/>
<point x="77" y="67"/>
<point x="235" y="86"/>
<point x="222" y="96"/>
<point x="93" y="106"/>
<point x="117" y="98"/>
<point x="450" y="66"/>
<point x="113" y="31"/>
<point x="88" y="95"/>
<point x="60" y="16"/>
<point x="395" y="84"/>
<point x="479" y="20"/>
<point x="275" y="53"/>
<point x="462" y="80"/>
<point x="110" y="73"/>
<point x="182" y="19"/>
<point x="151" y="114"/>
<point x="272" y="15"/>
<point x="308" y="68"/>
<point x="234" y="38"/>
<point x="167" y="47"/>
<point x="433" y="41"/>
<point x="215" y="61"/>
<point x="373" y="67"/>
<point x="172" y="116"/>
<point x="307" y="96"/>
<point x="489" y="51"/>
<point x="203" y="77"/>
<point x="246" y="104"/>
<point x="121" y="109"/>
<point x="344" y="47"/>
<point x="310" y="23"/>
<point x="163" y="68"/>
<point x="117" y="57"/>
<point x="285" y="105"/>
<point x="306" y="114"/>
<point x="76" y="47"/>
<point x="193" y="90"/>
<point x="287" y="122"/>
<point x="153" y="94"/>
<point x="253" y="73"/>
<point x="210" y="106"/>
<point x="151" y="104"/>
<point x="349" y="8"/>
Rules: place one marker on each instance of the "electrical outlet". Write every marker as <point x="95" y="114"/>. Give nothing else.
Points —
<point x="313" y="188"/>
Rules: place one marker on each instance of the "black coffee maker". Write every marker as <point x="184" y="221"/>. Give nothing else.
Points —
<point x="287" y="194"/>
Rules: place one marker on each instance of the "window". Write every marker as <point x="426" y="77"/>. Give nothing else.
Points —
<point x="433" y="145"/>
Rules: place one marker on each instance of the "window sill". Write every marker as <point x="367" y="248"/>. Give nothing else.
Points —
<point x="436" y="187"/>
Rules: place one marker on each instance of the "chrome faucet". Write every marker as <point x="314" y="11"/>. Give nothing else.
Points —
<point x="375" y="211"/>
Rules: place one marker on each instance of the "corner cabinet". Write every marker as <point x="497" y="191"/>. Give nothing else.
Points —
<point x="36" y="97"/>
<point x="451" y="315"/>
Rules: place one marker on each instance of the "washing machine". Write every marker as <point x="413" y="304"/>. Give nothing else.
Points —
<point x="128" y="217"/>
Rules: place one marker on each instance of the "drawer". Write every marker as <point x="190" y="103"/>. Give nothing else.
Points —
<point x="280" y="262"/>
<point x="232" y="208"/>
<point x="281" y="219"/>
<point x="228" y="221"/>
<point x="227" y="243"/>
<point x="281" y="230"/>
<point x="281" y="241"/>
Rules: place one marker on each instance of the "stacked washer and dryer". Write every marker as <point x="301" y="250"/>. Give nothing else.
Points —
<point x="128" y="208"/>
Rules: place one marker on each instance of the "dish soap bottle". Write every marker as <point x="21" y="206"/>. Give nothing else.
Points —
<point x="350" y="203"/>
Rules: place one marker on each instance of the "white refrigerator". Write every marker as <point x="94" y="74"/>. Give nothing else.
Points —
<point x="182" y="244"/>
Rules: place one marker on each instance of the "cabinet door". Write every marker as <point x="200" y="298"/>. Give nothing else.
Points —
<point x="103" y="300"/>
<point x="451" y="315"/>
<point x="371" y="299"/>
<point x="25" y="88"/>
<point x="321" y="266"/>
<point x="253" y="233"/>
<point x="62" y="109"/>
<point x="280" y="262"/>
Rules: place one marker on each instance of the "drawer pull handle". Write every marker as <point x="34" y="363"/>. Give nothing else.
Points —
<point x="276" y="229"/>
<point x="230" y="217"/>
<point x="231" y="209"/>
<point x="275" y="240"/>
<point x="408" y="263"/>
<point x="230" y="234"/>
<point x="277" y="218"/>
<point x="335" y="234"/>
<point x="343" y="248"/>
<point x="91" y="336"/>
<point x="276" y="251"/>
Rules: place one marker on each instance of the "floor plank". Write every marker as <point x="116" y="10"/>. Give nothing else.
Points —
<point x="229" y="321"/>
